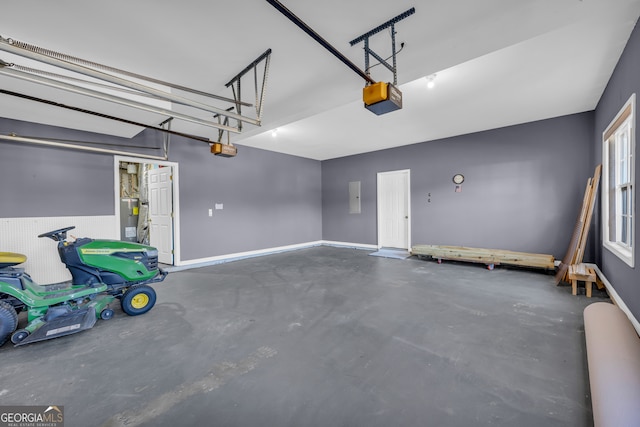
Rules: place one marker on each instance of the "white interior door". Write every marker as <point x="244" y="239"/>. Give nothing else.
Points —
<point x="394" y="226"/>
<point x="161" y="212"/>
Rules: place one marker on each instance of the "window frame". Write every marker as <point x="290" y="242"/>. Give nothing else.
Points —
<point x="623" y="124"/>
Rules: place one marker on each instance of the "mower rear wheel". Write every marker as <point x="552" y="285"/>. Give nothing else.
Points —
<point x="8" y="321"/>
<point x="138" y="300"/>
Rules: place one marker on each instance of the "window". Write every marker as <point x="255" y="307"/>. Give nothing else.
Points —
<point x="618" y="147"/>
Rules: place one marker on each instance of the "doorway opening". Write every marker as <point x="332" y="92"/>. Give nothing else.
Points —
<point x="394" y="205"/>
<point x="146" y="195"/>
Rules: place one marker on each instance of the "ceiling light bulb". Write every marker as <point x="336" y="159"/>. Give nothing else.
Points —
<point x="431" y="81"/>
<point x="274" y="133"/>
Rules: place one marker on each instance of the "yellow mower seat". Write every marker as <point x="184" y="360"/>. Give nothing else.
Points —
<point x="9" y="259"/>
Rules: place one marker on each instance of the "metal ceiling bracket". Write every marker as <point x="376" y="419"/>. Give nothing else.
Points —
<point x="166" y="140"/>
<point x="369" y="52"/>
<point x="260" y="93"/>
<point x="224" y="122"/>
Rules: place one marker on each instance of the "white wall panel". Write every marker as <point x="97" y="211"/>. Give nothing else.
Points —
<point x="43" y="263"/>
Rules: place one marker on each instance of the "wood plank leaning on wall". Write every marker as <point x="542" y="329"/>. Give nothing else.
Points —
<point x="577" y="245"/>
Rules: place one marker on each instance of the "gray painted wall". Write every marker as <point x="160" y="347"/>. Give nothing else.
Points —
<point x="269" y="199"/>
<point x="523" y="187"/>
<point x="624" y="81"/>
<point x="42" y="181"/>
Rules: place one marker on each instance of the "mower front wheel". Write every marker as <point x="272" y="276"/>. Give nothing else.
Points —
<point x="8" y="321"/>
<point x="19" y="336"/>
<point x="138" y="300"/>
<point x="106" y="314"/>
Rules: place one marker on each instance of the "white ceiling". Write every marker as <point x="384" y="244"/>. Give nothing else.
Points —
<point x="498" y="63"/>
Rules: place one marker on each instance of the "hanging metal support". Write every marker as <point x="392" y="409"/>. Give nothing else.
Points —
<point x="166" y="136"/>
<point x="263" y="89"/>
<point x="393" y="49"/>
<point x="236" y="85"/>
<point x="367" y="51"/>
<point x="237" y="94"/>
<point x="366" y="59"/>
<point x="224" y="122"/>
<point x="220" y="148"/>
<point x="382" y="61"/>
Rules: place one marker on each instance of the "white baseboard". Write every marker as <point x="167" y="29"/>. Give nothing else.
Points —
<point x="616" y="298"/>
<point x="203" y="262"/>
<point x="349" y="245"/>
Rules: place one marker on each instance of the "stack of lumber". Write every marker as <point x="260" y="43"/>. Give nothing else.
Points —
<point x="578" y="243"/>
<point x="489" y="257"/>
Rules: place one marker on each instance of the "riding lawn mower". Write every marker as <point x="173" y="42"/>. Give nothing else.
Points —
<point x="101" y="270"/>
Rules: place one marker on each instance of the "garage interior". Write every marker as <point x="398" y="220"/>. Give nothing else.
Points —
<point x="273" y="311"/>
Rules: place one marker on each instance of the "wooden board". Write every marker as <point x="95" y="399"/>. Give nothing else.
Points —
<point x="578" y="242"/>
<point x="561" y="274"/>
<point x="485" y="256"/>
<point x="582" y="244"/>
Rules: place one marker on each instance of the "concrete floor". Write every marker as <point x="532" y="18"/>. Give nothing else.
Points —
<point x="323" y="337"/>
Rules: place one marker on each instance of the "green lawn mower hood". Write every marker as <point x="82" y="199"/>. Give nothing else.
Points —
<point x="110" y="262"/>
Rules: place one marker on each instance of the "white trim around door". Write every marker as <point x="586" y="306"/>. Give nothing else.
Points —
<point x="176" y="197"/>
<point x="394" y="209"/>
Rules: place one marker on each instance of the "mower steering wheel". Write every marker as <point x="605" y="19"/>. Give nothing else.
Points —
<point x="58" y="235"/>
